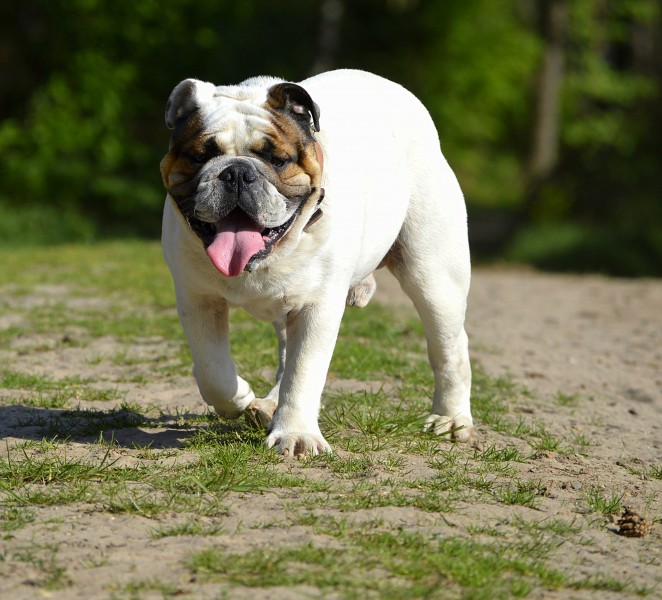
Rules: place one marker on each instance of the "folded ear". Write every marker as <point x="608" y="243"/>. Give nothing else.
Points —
<point x="187" y="97"/>
<point x="296" y="101"/>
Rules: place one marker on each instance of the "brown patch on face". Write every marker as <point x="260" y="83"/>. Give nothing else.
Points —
<point x="166" y="166"/>
<point x="292" y="110"/>
<point x="293" y="99"/>
<point x="178" y="173"/>
<point x="186" y="155"/>
<point x="300" y="173"/>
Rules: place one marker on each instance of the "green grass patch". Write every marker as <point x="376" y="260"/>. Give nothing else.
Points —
<point x="14" y="518"/>
<point x="387" y="565"/>
<point x="568" y="400"/>
<point x="187" y="528"/>
<point x="54" y="393"/>
<point x="45" y="475"/>
<point x="598" y="500"/>
<point x="520" y="492"/>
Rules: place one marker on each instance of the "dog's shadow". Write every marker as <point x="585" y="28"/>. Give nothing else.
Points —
<point x="123" y="427"/>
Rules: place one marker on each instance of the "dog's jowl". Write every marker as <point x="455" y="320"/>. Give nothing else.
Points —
<point x="283" y="199"/>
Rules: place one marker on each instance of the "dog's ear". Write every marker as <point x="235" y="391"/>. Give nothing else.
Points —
<point x="187" y="97"/>
<point x="296" y="101"/>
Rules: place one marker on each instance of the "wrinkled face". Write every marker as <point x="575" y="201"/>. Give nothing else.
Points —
<point x="242" y="165"/>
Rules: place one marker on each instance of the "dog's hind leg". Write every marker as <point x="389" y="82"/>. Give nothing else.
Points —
<point x="440" y="302"/>
<point x="261" y="410"/>
<point x="431" y="263"/>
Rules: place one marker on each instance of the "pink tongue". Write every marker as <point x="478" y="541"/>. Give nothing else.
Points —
<point x="237" y="239"/>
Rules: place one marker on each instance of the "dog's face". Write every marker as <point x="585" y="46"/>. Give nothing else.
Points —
<point x="242" y="165"/>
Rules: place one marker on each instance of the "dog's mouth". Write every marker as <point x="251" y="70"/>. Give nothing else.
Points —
<point x="237" y="243"/>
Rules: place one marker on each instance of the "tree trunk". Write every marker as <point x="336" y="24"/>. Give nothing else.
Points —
<point x="331" y="13"/>
<point x="546" y="127"/>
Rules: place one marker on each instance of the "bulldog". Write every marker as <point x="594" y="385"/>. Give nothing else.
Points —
<point x="283" y="198"/>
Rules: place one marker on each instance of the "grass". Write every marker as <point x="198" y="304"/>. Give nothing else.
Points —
<point x="14" y="518"/>
<point x="522" y="493"/>
<point x="567" y="400"/>
<point x="187" y="528"/>
<point x="393" y="513"/>
<point x="383" y="564"/>
<point x="50" y="572"/>
<point x="602" y="502"/>
<point x="50" y="392"/>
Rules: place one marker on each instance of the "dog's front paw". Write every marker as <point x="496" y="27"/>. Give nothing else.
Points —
<point x="260" y="412"/>
<point x="297" y="444"/>
<point x="459" y="428"/>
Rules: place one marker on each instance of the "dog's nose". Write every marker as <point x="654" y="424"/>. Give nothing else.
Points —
<point x="236" y="174"/>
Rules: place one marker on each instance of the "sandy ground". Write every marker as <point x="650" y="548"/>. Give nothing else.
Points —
<point x="594" y="338"/>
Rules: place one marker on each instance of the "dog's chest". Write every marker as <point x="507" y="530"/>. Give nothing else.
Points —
<point x="264" y="300"/>
<point x="272" y="309"/>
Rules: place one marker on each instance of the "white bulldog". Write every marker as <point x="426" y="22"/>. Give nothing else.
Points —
<point x="283" y="199"/>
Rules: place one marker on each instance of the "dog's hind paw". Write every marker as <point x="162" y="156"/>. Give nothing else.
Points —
<point x="297" y="445"/>
<point x="260" y="412"/>
<point x="459" y="428"/>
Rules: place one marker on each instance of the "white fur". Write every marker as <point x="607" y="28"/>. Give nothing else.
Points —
<point x="385" y="180"/>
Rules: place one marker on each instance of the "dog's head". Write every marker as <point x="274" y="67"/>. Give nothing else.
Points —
<point x="243" y="166"/>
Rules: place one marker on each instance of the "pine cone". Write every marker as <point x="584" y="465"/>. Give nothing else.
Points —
<point x="632" y="524"/>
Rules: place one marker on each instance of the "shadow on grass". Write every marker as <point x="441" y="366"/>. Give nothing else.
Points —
<point x="125" y="427"/>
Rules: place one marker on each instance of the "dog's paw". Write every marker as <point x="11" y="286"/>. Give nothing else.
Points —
<point x="361" y="293"/>
<point x="260" y="412"/>
<point x="297" y="444"/>
<point x="459" y="428"/>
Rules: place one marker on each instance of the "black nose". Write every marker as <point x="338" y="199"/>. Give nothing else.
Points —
<point x="237" y="174"/>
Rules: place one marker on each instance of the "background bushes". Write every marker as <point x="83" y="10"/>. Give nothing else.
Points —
<point x="560" y="161"/>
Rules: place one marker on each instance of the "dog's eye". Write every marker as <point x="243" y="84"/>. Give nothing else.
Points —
<point x="198" y="157"/>
<point x="278" y="162"/>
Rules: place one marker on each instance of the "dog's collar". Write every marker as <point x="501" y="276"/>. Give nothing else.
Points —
<point x="318" y="212"/>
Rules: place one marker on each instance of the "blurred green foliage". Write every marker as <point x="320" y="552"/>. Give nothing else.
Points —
<point x="83" y="86"/>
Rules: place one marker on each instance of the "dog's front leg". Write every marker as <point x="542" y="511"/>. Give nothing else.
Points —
<point x="311" y="338"/>
<point x="205" y="323"/>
